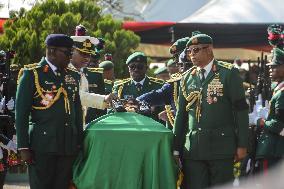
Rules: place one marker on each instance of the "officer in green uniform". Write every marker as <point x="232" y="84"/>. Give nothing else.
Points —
<point x="49" y="116"/>
<point x="109" y="78"/>
<point x="138" y="83"/>
<point x="172" y="66"/>
<point x="270" y="144"/>
<point x="211" y="124"/>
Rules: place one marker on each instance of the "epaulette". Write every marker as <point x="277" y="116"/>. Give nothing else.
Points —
<point x="97" y="70"/>
<point x="108" y="81"/>
<point x="156" y="80"/>
<point x="72" y="69"/>
<point x="175" y="77"/>
<point x="123" y="81"/>
<point x="226" y="65"/>
<point x="31" y="66"/>
<point x="191" y="71"/>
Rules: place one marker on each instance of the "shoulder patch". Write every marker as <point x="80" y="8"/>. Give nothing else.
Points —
<point x="97" y="70"/>
<point x="108" y="81"/>
<point x="175" y="77"/>
<point x="31" y="66"/>
<point x="121" y="82"/>
<point x="72" y="69"/>
<point x="225" y="65"/>
<point x="156" y="80"/>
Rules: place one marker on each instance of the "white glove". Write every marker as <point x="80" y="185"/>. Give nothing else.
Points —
<point x="282" y="133"/>
<point x="263" y="112"/>
<point x="2" y="105"/>
<point x="11" y="104"/>
<point x="11" y="146"/>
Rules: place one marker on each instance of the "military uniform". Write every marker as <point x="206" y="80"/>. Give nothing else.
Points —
<point x="108" y="66"/>
<point x="270" y="143"/>
<point x="96" y="85"/>
<point x="108" y="86"/>
<point x="49" y="120"/>
<point x="211" y="122"/>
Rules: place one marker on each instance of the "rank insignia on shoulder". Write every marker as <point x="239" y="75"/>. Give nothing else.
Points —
<point x="225" y="65"/>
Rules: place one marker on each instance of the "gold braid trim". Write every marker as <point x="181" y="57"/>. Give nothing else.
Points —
<point x="58" y="92"/>
<point x="170" y="114"/>
<point x="193" y="97"/>
<point x="20" y="75"/>
<point x="119" y="91"/>
<point x="175" y="95"/>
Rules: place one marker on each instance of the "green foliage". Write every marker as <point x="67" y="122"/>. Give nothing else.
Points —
<point x="26" y="31"/>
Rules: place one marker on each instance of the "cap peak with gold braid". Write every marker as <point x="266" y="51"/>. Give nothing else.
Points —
<point x="85" y="44"/>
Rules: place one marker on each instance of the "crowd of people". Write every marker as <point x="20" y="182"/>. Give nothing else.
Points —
<point x="205" y="102"/>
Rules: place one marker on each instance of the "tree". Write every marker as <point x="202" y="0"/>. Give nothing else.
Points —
<point x="26" y="31"/>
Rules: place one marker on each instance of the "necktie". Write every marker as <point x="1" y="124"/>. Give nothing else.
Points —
<point x="202" y="71"/>
<point x="139" y="86"/>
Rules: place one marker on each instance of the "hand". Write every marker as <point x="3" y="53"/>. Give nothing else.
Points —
<point x="163" y="116"/>
<point x="2" y="105"/>
<point x="12" y="146"/>
<point x="263" y="112"/>
<point x="110" y="97"/>
<point x="178" y="161"/>
<point x="253" y="118"/>
<point x="240" y="154"/>
<point x="282" y="133"/>
<point x="26" y="155"/>
<point x="11" y="104"/>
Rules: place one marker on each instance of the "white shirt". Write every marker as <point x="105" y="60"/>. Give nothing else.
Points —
<point x="207" y="69"/>
<point x="92" y="100"/>
<point x="141" y="82"/>
<point x="54" y="68"/>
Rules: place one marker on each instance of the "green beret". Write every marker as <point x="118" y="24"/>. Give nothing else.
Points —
<point x="106" y="65"/>
<point x="161" y="70"/>
<point x="137" y="57"/>
<point x="14" y="67"/>
<point x="199" y="39"/>
<point x="179" y="45"/>
<point x="170" y="62"/>
<point x="278" y="57"/>
<point x="85" y="44"/>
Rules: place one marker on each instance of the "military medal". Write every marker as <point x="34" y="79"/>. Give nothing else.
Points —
<point x="209" y="100"/>
<point x="53" y="87"/>
<point x="214" y="89"/>
<point x="49" y="97"/>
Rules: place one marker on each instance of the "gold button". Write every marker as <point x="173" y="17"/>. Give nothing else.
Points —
<point x="66" y="124"/>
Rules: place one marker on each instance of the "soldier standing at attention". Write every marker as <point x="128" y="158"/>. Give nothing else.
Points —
<point x="49" y="116"/>
<point x="108" y="74"/>
<point x="211" y="124"/>
<point x="270" y="144"/>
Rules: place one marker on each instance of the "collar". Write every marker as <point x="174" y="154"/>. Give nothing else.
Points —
<point x="279" y="86"/>
<point x="141" y="82"/>
<point x="207" y="68"/>
<point x="54" y="68"/>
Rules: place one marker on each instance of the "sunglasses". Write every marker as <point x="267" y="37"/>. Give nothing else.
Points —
<point x="136" y="66"/>
<point x="195" y="50"/>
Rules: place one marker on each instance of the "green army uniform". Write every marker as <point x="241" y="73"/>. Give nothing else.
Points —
<point x="96" y="85"/>
<point x="49" y="121"/>
<point x="270" y="143"/>
<point x="106" y="66"/>
<point x="126" y="89"/>
<point x="211" y="122"/>
<point x="108" y="86"/>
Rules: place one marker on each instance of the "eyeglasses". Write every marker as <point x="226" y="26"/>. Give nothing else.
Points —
<point x="195" y="50"/>
<point x="136" y="66"/>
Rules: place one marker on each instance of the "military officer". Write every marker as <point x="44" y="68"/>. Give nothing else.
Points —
<point x="138" y="83"/>
<point x="91" y="85"/>
<point x="109" y="78"/>
<point x="270" y="144"/>
<point x="49" y="116"/>
<point x="172" y="66"/>
<point x="211" y="123"/>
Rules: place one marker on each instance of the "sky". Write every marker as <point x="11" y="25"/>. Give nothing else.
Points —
<point x="14" y="5"/>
